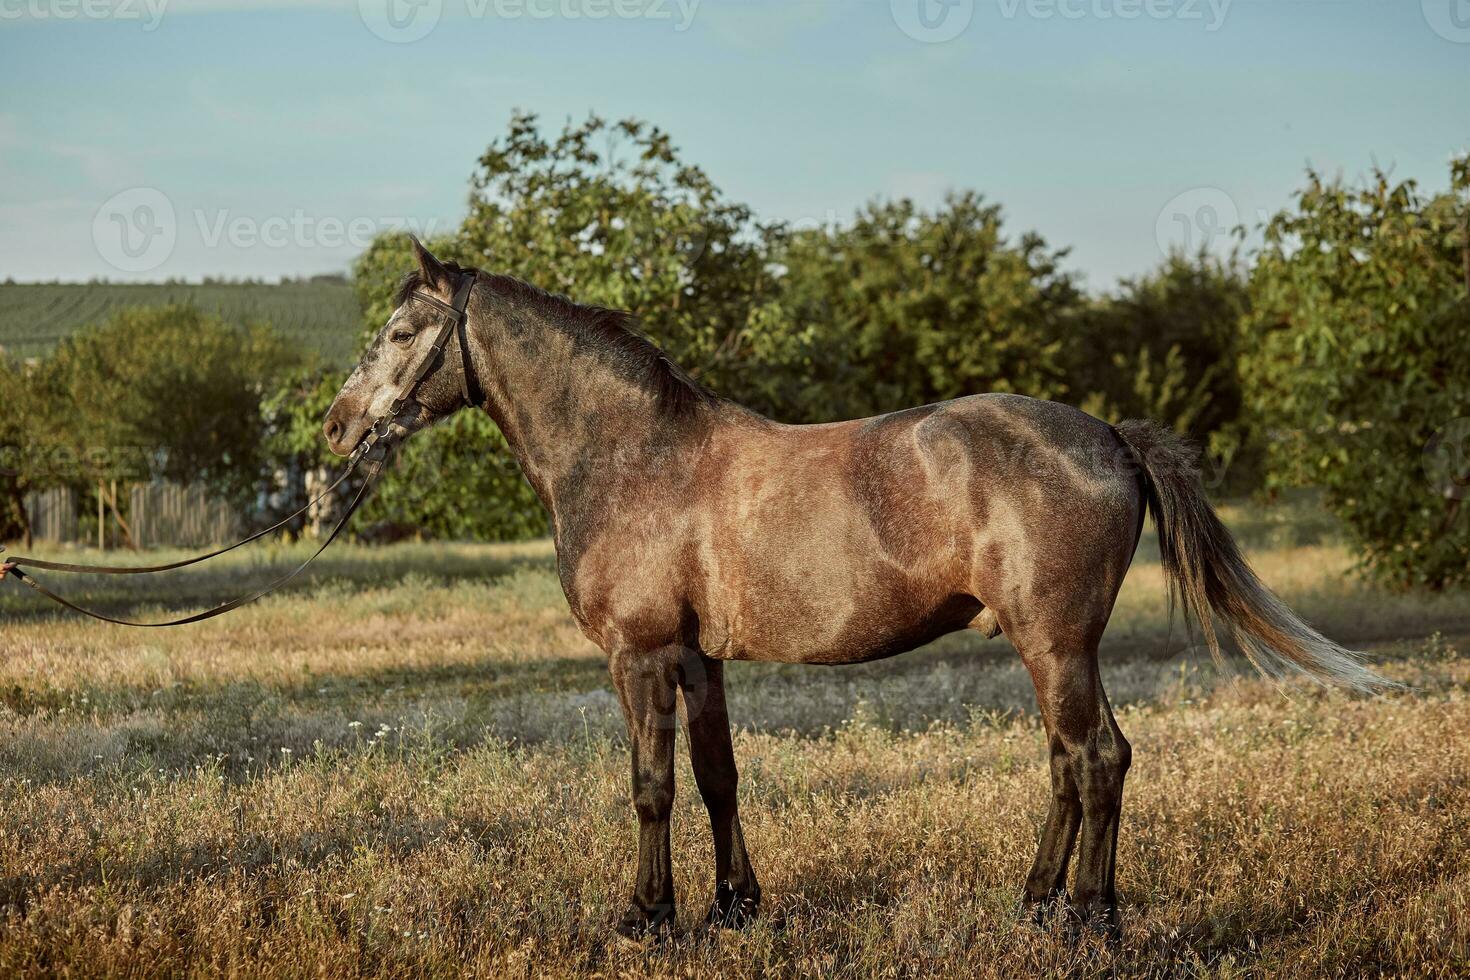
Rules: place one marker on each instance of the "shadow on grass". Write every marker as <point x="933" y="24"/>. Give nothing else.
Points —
<point x="172" y="594"/>
<point x="257" y="855"/>
<point x="484" y="678"/>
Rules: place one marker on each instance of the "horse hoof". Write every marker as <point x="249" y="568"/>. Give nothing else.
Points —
<point x="1101" y="921"/>
<point x="1040" y="912"/>
<point x="730" y="909"/>
<point x="640" y="925"/>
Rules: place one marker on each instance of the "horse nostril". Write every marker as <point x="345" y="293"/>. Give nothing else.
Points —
<point x="333" y="430"/>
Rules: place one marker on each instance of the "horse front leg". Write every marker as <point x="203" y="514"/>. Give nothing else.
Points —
<point x="737" y="893"/>
<point x="646" y="683"/>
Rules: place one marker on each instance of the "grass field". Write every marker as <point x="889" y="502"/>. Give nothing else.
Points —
<point x="321" y="314"/>
<point x="412" y="765"/>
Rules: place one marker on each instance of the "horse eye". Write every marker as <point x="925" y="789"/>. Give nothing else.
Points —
<point x="401" y="336"/>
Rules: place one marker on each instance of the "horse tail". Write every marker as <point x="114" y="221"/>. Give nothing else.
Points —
<point x="1210" y="578"/>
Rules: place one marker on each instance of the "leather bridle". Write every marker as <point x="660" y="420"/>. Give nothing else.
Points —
<point x="374" y="447"/>
<point x="453" y="320"/>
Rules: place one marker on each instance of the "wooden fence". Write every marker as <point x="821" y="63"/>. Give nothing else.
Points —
<point x="158" y="514"/>
<point x="170" y="515"/>
<point x="53" y="515"/>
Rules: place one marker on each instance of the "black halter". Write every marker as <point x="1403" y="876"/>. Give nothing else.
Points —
<point x="374" y="447"/>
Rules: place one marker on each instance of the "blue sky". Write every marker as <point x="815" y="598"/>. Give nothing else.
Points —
<point x="280" y="135"/>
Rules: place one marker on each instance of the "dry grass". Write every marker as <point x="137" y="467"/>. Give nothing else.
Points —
<point x="414" y="766"/>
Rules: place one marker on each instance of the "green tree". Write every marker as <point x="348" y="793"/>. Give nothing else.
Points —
<point x="15" y="438"/>
<point x="166" y="392"/>
<point x="462" y="484"/>
<point x="1166" y="346"/>
<point x="610" y="215"/>
<point x="1359" y="354"/>
<point x="905" y="306"/>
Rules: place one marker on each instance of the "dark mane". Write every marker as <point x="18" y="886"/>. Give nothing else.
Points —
<point x="610" y="335"/>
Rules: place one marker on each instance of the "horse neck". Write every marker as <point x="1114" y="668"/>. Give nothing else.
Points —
<point x="572" y="420"/>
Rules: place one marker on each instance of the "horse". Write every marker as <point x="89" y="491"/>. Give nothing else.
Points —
<point x="691" y="531"/>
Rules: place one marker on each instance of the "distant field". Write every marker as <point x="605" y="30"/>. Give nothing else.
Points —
<point x="412" y="764"/>
<point x="323" y="315"/>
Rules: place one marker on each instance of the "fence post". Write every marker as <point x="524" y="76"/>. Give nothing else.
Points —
<point x="138" y="511"/>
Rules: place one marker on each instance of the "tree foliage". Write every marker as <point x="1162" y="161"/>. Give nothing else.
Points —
<point x="1358" y="354"/>
<point x="906" y="306"/>
<point x="463" y="484"/>
<point x="1166" y="346"/>
<point x="609" y="214"/>
<point x="166" y="392"/>
<point x="16" y="407"/>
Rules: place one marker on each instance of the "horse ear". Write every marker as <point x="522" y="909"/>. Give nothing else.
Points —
<point x="431" y="269"/>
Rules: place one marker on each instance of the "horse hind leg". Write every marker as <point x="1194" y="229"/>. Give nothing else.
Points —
<point x="1046" y="884"/>
<point x="1089" y="760"/>
<point x="1100" y="758"/>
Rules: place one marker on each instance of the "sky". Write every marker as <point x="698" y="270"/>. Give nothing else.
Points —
<point x="152" y="139"/>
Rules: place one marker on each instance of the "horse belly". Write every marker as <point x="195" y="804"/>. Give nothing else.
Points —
<point x="836" y="547"/>
<point x="829" y="600"/>
<point x="812" y="629"/>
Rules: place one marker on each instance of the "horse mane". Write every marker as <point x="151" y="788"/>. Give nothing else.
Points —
<point x="611" y="336"/>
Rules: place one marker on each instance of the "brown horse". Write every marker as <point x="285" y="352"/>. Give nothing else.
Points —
<point x="691" y="531"/>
